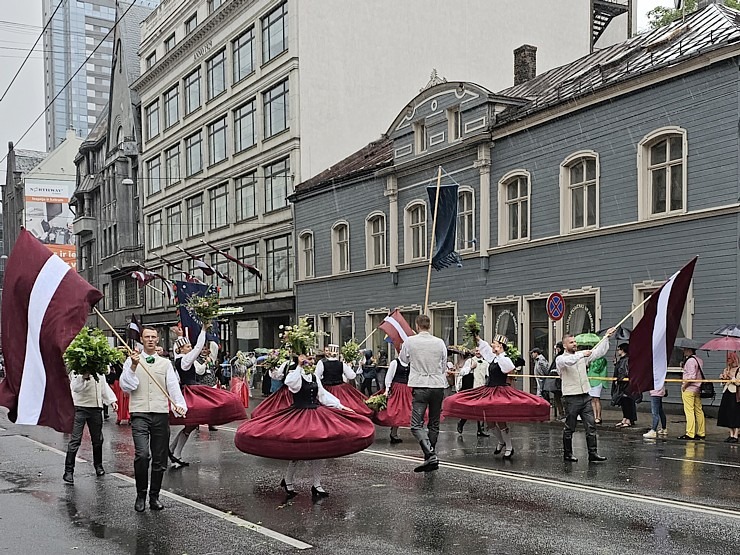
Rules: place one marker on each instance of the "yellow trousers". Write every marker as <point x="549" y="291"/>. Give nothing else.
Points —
<point x="692" y="408"/>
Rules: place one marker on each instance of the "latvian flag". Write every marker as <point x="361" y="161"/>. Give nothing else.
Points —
<point x="45" y="304"/>
<point x="396" y="328"/>
<point x="652" y="340"/>
<point x="133" y="332"/>
<point x="143" y="277"/>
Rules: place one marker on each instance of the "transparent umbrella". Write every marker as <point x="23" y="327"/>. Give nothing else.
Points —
<point x="728" y="330"/>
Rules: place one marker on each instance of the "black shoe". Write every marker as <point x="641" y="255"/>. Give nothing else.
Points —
<point x="509" y="454"/>
<point x="212" y="429"/>
<point x="460" y="426"/>
<point x="568" y="457"/>
<point x="318" y="494"/>
<point x="395" y="439"/>
<point x="68" y="477"/>
<point x="729" y="440"/>
<point x="699" y="438"/>
<point x="154" y="503"/>
<point x="685" y="437"/>
<point x="291" y="492"/>
<point x="733" y="440"/>
<point x="99" y="471"/>
<point x="140" y="504"/>
<point x="429" y="465"/>
<point x="499" y="448"/>
<point x="481" y="433"/>
<point x="595" y="457"/>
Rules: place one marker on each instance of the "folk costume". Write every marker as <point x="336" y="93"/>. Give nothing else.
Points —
<point x="311" y="429"/>
<point x="398" y="407"/>
<point x="239" y="385"/>
<point x="206" y="405"/>
<point x="466" y="380"/>
<point x="280" y="399"/>
<point x="332" y="373"/>
<point x="122" y="398"/>
<point x="498" y="402"/>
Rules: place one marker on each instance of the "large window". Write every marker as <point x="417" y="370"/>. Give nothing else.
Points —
<point x="172" y="164"/>
<point x="191" y="24"/>
<point x="514" y="208"/>
<point x="156" y="299"/>
<point x="217" y="141"/>
<point x="218" y="206"/>
<point x="220" y="264"/>
<point x="246" y="282"/>
<point x="279" y="264"/>
<point x="154" y="175"/>
<point x="244" y="130"/>
<point x="465" y="220"/>
<point x="443" y="324"/>
<point x="375" y="241"/>
<point x="213" y="5"/>
<point x="171" y="106"/>
<point x="276" y="109"/>
<point x="340" y="248"/>
<point x="306" y="255"/>
<point x="216" y="74"/>
<point x="192" y="91"/>
<point x="195" y="214"/>
<point x="174" y="223"/>
<point x="169" y="43"/>
<point x="275" y="33"/>
<point x="193" y="154"/>
<point x="276" y="185"/>
<point x="155" y="230"/>
<point x="152" y="120"/>
<point x="642" y="291"/>
<point x="415" y="232"/>
<point x="246" y="200"/>
<point x="243" y="55"/>
<point x="662" y="160"/>
<point x="580" y="192"/>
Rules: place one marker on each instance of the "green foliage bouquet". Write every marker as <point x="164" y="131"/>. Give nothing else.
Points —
<point x="204" y="309"/>
<point x="300" y="339"/>
<point x="471" y="330"/>
<point x="275" y="358"/>
<point x="351" y="351"/>
<point x="90" y="353"/>
<point x="377" y="402"/>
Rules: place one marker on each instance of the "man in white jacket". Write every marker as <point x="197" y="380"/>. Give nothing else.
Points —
<point x="89" y="395"/>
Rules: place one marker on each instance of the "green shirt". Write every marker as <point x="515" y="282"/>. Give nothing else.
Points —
<point x="597" y="368"/>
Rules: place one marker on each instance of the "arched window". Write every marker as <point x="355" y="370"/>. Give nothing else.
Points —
<point x="661" y="160"/>
<point x="119" y="135"/>
<point x="415" y="227"/>
<point x="513" y="205"/>
<point x="579" y="192"/>
<point x="465" y="220"/>
<point x="375" y="240"/>
<point x="306" y="255"/>
<point x="340" y="248"/>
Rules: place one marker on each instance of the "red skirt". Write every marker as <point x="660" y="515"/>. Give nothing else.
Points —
<point x="398" y="411"/>
<point x="351" y="398"/>
<point x="240" y="388"/>
<point x="122" y="399"/>
<point x="305" y="434"/>
<point x="209" y="405"/>
<point x="501" y="403"/>
<point x="281" y="399"/>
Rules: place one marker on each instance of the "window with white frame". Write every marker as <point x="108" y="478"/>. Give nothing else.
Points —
<point x="465" y="220"/>
<point x="213" y="5"/>
<point x="375" y="241"/>
<point x="216" y="75"/>
<point x="275" y="33"/>
<point x="218" y="206"/>
<point x="155" y="230"/>
<point x="193" y="153"/>
<point x="415" y="236"/>
<point x="174" y="223"/>
<point x="246" y="199"/>
<point x="579" y="192"/>
<point x="242" y="49"/>
<point x="171" y="106"/>
<point x="443" y="323"/>
<point x="156" y="299"/>
<point x="221" y="265"/>
<point x="279" y="264"/>
<point x="454" y="124"/>
<point x="154" y="175"/>
<point x="662" y="173"/>
<point x="340" y="248"/>
<point x="246" y="282"/>
<point x="244" y="130"/>
<point x="514" y="207"/>
<point x="152" y="120"/>
<point x="191" y="24"/>
<point x="276" y="109"/>
<point x="150" y="61"/>
<point x="192" y="91"/>
<point x="169" y="43"/>
<point x="276" y="185"/>
<point x="420" y="136"/>
<point x="195" y="214"/>
<point x="172" y="164"/>
<point x="305" y="266"/>
<point x="217" y="141"/>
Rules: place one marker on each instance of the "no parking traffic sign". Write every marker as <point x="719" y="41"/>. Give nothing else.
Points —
<point x="555" y="306"/>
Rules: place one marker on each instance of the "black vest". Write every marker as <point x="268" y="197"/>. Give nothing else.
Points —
<point x="402" y="373"/>
<point x="495" y="375"/>
<point x="187" y="377"/>
<point x="308" y="396"/>
<point x="333" y="371"/>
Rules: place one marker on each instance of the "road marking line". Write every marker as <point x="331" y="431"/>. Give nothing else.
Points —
<point x="52" y="449"/>
<point x="701" y="462"/>
<point x="298" y="544"/>
<point x="581" y="488"/>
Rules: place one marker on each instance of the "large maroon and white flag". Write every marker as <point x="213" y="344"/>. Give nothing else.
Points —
<point x="45" y="304"/>
<point x="396" y="328"/>
<point x="652" y="340"/>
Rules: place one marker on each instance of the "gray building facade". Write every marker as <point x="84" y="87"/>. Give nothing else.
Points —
<point x="598" y="179"/>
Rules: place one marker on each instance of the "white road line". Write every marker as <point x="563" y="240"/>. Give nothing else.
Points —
<point x="702" y="462"/>
<point x="581" y="488"/>
<point x="298" y="544"/>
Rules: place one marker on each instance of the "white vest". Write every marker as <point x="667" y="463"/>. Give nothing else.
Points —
<point x="91" y="394"/>
<point x="574" y="379"/>
<point x="148" y="397"/>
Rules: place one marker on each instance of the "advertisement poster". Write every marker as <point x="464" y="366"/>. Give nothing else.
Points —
<point x="49" y="217"/>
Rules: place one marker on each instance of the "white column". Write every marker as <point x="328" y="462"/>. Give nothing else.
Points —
<point x="391" y="191"/>
<point x="484" y="168"/>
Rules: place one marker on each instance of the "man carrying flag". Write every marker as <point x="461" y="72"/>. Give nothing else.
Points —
<point x="46" y="303"/>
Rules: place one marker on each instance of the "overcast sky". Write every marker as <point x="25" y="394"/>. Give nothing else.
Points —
<point x="25" y="100"/>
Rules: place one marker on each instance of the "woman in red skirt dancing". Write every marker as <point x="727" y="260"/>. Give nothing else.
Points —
<point x="398" y="409"/>
<point x="497" y="402"/>
<point x="280" y="399"/>
<point x="312" y="429"/>
<point x="206" y="405"/>
<point x="331" y="372"/>
<point x="122" y="398"/>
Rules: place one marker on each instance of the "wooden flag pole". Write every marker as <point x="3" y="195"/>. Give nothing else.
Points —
<point x="623" y="320"/>
<point x="368" y="337"/>
<point x="141" y="363"/>
<point x="431" y="241"/>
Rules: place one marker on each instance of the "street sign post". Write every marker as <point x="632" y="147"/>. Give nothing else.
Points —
<point x="555" y="306"/>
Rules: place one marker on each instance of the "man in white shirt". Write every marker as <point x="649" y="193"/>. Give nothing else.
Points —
<point x="150" y="409"/>
<point x="426" y="356"/>
<point x="572" y="367"/>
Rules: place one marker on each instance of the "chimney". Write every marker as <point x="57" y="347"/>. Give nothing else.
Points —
<point x="525" y="64"/>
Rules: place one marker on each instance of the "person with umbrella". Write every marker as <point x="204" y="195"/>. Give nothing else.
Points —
<point x="596" y="370"/>
<point x="729" y="408"/>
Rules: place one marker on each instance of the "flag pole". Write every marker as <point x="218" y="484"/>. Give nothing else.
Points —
<point x="368" y="337"/>
<point x="431" y="242"/>
<point x="130" y="352"/>
<point x="623" y="320"/>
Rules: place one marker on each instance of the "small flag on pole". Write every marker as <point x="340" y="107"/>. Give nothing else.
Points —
<point x="248" y="267"/>
<point x="143" y="277"/>
<point x="397" y="328"/>
<point x="445" y="229"/>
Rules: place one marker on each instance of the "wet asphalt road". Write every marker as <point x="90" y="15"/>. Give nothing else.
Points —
<point x="652" y="496"/>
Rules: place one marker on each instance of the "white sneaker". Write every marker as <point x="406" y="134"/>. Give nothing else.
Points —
<point x="650" y="434"/>
<point x="663" y="432"/>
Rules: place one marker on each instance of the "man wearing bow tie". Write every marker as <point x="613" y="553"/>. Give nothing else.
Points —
<point x="144" y="377"/>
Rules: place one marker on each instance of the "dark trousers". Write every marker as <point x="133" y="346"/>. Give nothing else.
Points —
<point x="575" y="406"/>
<point x="431" y="399"/>
<point x="367" y="386"/>
<point x="151" y="433"/>
<point x="93" y="417"/>
<point x="629" y="409"/>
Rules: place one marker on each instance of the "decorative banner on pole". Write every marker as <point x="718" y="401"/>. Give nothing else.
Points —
<point x="445" y="230"/>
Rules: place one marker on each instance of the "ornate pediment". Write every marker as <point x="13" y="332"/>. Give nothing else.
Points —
<point x="434" y="80"/>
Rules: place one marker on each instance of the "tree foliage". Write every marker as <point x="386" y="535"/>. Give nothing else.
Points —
<point x="662" y="16"/>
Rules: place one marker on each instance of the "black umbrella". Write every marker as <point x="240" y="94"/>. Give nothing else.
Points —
<point x="623" y="333"/>
<point x="728" y="330"/>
